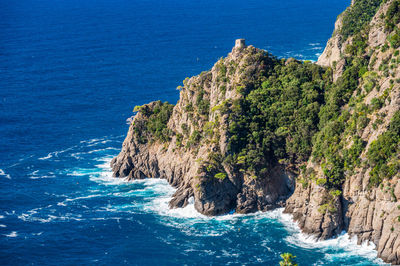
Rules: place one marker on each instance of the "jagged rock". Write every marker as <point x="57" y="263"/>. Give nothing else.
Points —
<point x="333" y="49"/>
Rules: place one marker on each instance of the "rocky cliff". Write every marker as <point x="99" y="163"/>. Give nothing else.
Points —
<point x="257" y="132"/>
<point x="192" y="150"/>
<point x="365" y="202"/>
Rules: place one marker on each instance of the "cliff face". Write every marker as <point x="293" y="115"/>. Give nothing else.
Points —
<point x="371" y="212"/>
<point x="256" y="132"/>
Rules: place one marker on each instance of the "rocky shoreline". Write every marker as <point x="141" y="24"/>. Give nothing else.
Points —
<point x="192" y="144"/>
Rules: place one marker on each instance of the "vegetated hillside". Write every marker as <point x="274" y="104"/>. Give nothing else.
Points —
<point x="351" y="181"/>
<point x="257" y="132"/>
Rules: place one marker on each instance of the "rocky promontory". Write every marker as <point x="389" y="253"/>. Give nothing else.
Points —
<point x="191" y="146"/>
<point x="257" y="132"/>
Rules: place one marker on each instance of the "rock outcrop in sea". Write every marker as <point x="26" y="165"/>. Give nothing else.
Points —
<point x="193" y="163"/>
<point x="256" y="132"/>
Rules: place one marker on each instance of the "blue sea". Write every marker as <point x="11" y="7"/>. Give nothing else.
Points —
<point x="71" y="72"/>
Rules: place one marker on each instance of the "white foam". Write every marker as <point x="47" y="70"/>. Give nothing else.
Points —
<point x="95" y="142"/>
<point x="64" y="203"/>
<point x="34" y="175"/>
<point x="103" y="139"/>
<point x="105" y="149"/>
<point x="48" y="176"/>
<point x="12" y="234"/>
<point x="341" y="242"/>
<point x="76" y="155"/>
<point x="3" y="225"/>
<point x="106" y="178"/>
<point x="160" y="205"/>
<point x="50" y="218"/>
<point x="103" y="174"/>
<point x="129" y="120"/>
<point x="157" y="193"/>
<point x="91" y="140"/>
<point x="2" y="173"/>
<point x="331" y="247"/>
<point x="84" y="197"/>
<point x="46" y="157"/>
<point x="56" y="153"/>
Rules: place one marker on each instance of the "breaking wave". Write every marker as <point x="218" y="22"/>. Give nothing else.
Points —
<point x="2" y="173"/>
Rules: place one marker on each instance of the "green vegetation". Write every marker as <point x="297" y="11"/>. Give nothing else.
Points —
<point x="194" y="139"/>
<point x="277" y="119"/>
<point x="288" y="260"/>
<point x="137" y="108"/>
<point x="327" y="207"/>
<point x="154" y="126"/>
<point x="392" y="17"/>
<point x="394" y="39"/>
<point x="338" y="125"/>
<point x="202" y="103"/>
<point x="220" y="176"/>
<point x="213" y="166"/>
<point x="357" y="16"/>
<point x="383" y="153"/>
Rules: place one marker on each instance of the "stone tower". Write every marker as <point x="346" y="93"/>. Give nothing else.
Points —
<point x="240" y="43"/>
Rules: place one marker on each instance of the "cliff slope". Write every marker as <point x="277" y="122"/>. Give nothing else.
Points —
<point x="351" y="181"/>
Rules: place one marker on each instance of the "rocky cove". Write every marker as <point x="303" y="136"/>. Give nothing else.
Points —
<point x="257" y="132"/>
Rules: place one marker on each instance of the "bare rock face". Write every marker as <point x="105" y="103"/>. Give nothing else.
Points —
<point x="378" y="35"/>
<point x="268" y="194"/>
<point x="316" y="211"/>
<point x="373" y="216"/>
<point x="334" y="48"/>
<point x="182" y="159"/>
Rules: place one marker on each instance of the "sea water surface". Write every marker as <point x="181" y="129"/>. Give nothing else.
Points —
<point x="71" y="72"/>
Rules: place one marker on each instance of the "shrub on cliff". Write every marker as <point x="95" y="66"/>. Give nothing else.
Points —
<point x="394" y="39"/>
<point x="277" y="119"/>
<point x="392" y="16"/>
<point x="357" y="16"/>
<point x="383" y="151"/>
<point x="153" y="126"/>
<point x="221" y="176"/>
